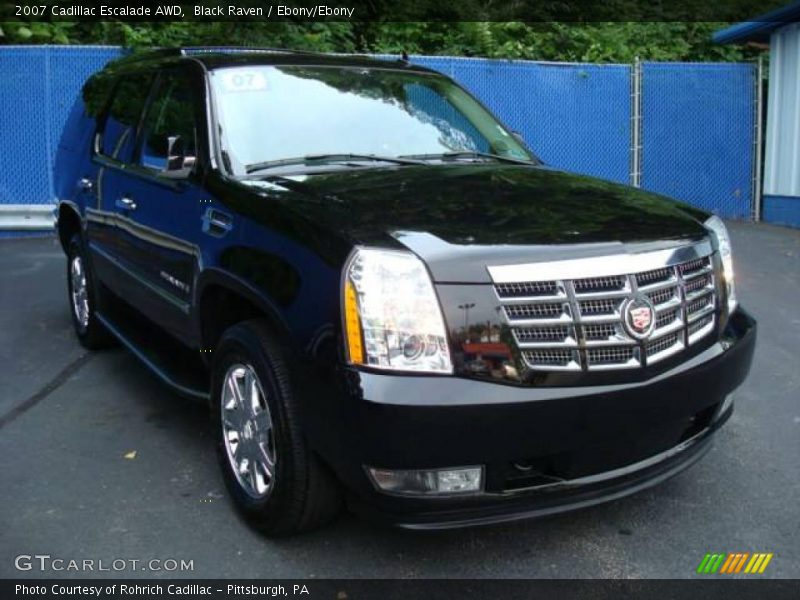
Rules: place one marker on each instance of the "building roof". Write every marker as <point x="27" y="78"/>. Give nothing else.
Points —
<point x="760" y="28"/>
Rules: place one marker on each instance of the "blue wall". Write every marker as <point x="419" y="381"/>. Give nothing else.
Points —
<point x="697" y="129"/>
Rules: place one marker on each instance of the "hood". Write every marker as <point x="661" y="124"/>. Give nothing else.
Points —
<point x="459" y="218"/>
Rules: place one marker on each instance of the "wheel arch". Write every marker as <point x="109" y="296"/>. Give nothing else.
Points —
<point x="69" y="222"/>
<point x="223" y="299"/>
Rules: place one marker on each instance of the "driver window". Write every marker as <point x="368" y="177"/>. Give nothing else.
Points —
<point x="169" y="141"/>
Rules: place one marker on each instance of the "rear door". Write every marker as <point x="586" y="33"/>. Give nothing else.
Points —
<point x="159" y="200"/>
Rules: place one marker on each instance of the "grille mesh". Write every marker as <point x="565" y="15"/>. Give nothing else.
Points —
<point x="694" y="265"/>
<point x="553" y="358"/>
<point x="653" y="277"/>
<point x="609" y="356"/>
<point x="662" y="344"/>
<point x="519" y="312"/>
<point x="698" y="284"/>
<point x="599" y="284"/>
<point x="594" y="335"/>
<point x="601" y="331"/>
<point x="700" y="324"/>
<point x="699" y="304"/>
<point x="662" y="296"/>
<point x="541" y="334"/>
<point x="666" y="318"/>
<point x="598" y="307"/>
<point x="522" y="290"/>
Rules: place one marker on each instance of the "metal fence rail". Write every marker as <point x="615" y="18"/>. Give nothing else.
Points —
<point x="687" y="130"/>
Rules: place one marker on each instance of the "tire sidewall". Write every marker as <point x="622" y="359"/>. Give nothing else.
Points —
<point x="75" y="248"/>
<point x="242" y="346"/>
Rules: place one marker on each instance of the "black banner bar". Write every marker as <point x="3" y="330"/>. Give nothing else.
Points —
<point x="385" y="10"/>
<point x="720" y="588"/>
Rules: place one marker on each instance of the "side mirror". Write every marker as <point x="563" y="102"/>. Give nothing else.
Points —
<point x="178" y="163"/>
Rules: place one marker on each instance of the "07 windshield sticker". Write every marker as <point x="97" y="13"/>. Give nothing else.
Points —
<point x="243" y="81"/>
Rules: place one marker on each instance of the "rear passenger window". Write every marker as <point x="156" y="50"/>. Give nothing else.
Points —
<point x="169" y="140"/>
<point x="96" y="93"/>
<point x="126" y="107"/>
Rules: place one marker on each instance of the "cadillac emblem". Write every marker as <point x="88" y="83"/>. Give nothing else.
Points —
<point x="639" y="317"/>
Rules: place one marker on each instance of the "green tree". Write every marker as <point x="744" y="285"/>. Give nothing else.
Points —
<point x="602" y="42"/>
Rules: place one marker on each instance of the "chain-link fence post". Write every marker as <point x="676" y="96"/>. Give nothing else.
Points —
<point x="636" y="123"/>
<point x="755" y="211"/>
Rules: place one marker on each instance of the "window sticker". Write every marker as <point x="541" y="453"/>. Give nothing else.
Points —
<point x="243" y="81"/>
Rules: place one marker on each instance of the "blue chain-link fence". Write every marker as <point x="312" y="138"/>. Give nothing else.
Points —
<point x="575" y="117"/>
<point x="38" y="85"/>
<point x="696" y="125"/>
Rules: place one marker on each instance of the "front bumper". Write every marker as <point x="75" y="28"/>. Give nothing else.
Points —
<point x="578" y="446"/>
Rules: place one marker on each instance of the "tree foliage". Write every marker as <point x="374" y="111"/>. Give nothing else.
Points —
<point x="550" y="41"/>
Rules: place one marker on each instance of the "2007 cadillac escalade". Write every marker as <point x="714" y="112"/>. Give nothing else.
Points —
<point x="384" y="296"/>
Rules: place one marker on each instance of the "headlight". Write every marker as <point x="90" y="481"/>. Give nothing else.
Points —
<point x="391" y="314"/>
<point x="719" y="230"/>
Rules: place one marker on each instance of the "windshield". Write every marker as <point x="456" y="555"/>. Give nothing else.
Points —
<point x="269" y="114"/>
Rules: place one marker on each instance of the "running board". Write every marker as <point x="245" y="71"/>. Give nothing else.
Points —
<point x="169" y="360"/>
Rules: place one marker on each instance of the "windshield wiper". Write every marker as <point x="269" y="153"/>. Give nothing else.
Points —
<point x="311" y="159"/>
<point x="469" y="154"/>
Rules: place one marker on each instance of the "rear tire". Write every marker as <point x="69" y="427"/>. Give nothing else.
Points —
<point x="276" y="481"/>
<point x="91" y="333"/>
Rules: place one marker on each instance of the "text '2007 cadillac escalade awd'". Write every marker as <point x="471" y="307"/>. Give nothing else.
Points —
<point x="384" y="296"/>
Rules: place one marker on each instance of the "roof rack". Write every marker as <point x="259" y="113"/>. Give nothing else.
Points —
<point x="189" y="50"/>
<point x="134" y="56"/>
<point x="193" y="50"/>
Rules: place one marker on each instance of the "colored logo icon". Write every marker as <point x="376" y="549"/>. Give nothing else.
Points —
<point x="734" y="562"/>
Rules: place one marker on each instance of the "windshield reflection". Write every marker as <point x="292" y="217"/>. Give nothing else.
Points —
<point x="271" y="113"/>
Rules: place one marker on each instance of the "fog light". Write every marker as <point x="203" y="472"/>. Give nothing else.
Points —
<point x="428" y="482"/>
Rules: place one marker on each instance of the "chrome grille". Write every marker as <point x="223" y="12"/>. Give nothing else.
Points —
<point x="599" y="307"/>
<point x="697" y="283"/>
<point x="700" y="328"/>
<point x="524" y="312"/>
<point x="655" y="276"/>
<point x="667" y="317"/>
<point x="542" y="334"/>
<point x="663" y="347"/>
<point x="599" y="284"/>
<point x="554" y="359"/>
<point x="564" y="322"/>
<point x="600" y="331"/>
<point x="663" y="295"/>
<point x="533" y="288"/>
<point x="617" y="355"/>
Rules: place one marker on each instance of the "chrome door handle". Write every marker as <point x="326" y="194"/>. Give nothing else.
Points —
<point x="126" y="203"/>
<point x="85" y="184"/>
<point x="216" y="222"/>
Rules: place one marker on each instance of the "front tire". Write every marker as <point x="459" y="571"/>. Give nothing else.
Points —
<point x="82" y="300"/>
<point x="274" y="478"/>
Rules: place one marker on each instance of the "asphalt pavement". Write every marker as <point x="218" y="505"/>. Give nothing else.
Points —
<point x="101" y="462"/>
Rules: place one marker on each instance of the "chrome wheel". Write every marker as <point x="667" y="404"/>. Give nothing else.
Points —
<point x="79" y="292"/>
<point x="247" y="431"/>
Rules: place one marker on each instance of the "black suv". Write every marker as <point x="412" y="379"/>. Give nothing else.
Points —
<point x="384" y="296"/>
